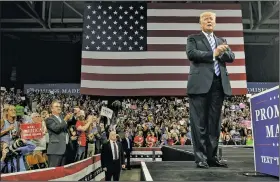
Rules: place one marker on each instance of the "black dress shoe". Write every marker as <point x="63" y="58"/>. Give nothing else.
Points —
<point x="217" y="164"/>
<point x="202" y="165"/>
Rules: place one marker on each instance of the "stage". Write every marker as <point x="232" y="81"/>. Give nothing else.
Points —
<point x="240" y="160"/>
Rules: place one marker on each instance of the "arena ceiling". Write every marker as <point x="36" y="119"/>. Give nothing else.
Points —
<point x="62" y="21"/>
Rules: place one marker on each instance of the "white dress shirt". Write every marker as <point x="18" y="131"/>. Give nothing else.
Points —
<point x="113" y="152"/>
<point x="212" y="37"/>
<point x="128" y="143"/>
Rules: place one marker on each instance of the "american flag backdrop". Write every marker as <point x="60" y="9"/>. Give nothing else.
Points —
<point x="139" y="48"/>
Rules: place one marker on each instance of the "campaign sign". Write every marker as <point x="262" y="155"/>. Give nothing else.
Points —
<point x="31" y="131"/>
<point x="265" y="124"/>
<point x="63" y="88"/>
<point x="106" y="112"/>
<point x="257" y="87"/>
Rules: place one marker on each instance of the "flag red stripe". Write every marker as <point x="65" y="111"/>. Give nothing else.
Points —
<point x="173" y="19"/>
<point x="146" y="149"/>
<point x="215" y="6"/>
<point x="186" y="33"/>
<point x="176" y="47"/>
<point x="149" y="77"/>
<point x="145" y="92"/>
<point x="147" y="62"/>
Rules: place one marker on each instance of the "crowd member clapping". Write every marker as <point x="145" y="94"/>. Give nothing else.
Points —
<point x="58" y="136"/>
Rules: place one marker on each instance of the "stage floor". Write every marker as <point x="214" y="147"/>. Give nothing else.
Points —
<point x="239" y="159"/>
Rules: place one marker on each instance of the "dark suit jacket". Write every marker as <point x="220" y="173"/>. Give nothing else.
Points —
<point x="125" y="145"/>
<point x="201" y="73"/>
<point x="72" y="122"/>
<point x="107" y="156"/>
<point x="57" y="135"/>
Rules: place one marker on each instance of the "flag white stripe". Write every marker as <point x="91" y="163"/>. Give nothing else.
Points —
<point x="193" y="26"/>
<point x="193" y="12"/>
<point x="144" y="160"/>
<point x="149" y="69"/>
<point x="146" y="153"/>
<point x="145" y="55"/>
<point x="147" y="84"/>
<point x="183" y="40"/>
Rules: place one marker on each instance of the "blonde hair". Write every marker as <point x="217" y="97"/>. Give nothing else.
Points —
<point x="4" y="117"/>
<point x="6" y="109"/>
<point x="206" y="13"/>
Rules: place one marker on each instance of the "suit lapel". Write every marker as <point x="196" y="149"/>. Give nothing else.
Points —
<point x="55" y="119"/>
<point x="205" y="41"/>
<point x="110" y="149"/>
<point x="218" y="41"/>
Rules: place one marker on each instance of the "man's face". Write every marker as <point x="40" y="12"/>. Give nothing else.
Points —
<point x="94" y="124"/>
<point x="56" y="108"/>
<point x="37" y="118"/>
<point x="77" y="111"/>
<point x="113" y="136"/>
<point x="208" y="22"/>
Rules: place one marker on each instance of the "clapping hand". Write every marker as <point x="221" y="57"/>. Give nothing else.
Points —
<point x="68" y="117"/>
<point x="221" y="49"/>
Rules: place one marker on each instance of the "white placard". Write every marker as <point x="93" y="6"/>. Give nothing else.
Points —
<point x="106" y="112"/>
<point x="105" y="101"/>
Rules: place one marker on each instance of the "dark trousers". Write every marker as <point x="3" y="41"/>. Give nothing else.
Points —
<point x="56" y="160"/>
<point x="205" y="121"/>
<point x="114" y="171"/>
<point x="71" y="152"/>
<point x="127" y="156"/>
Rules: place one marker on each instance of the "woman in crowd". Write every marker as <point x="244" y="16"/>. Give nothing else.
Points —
<point x="9" y="125"/>
<point x="92" y="134"/>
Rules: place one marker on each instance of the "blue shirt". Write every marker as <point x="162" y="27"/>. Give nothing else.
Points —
<point x="7" y="138"/>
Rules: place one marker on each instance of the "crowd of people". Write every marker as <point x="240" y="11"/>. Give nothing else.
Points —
<point x="149" y="122"/>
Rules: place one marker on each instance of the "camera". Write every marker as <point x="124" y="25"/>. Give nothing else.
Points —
<point x="12" y="148"/>
<point x="17" y="144"/>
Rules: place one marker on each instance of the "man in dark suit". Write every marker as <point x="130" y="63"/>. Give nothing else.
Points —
<point x="58" y="136"/>
<point x="208" y="83"/>
<point x="112" y="158"/>
<point x="127" y="147"/>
